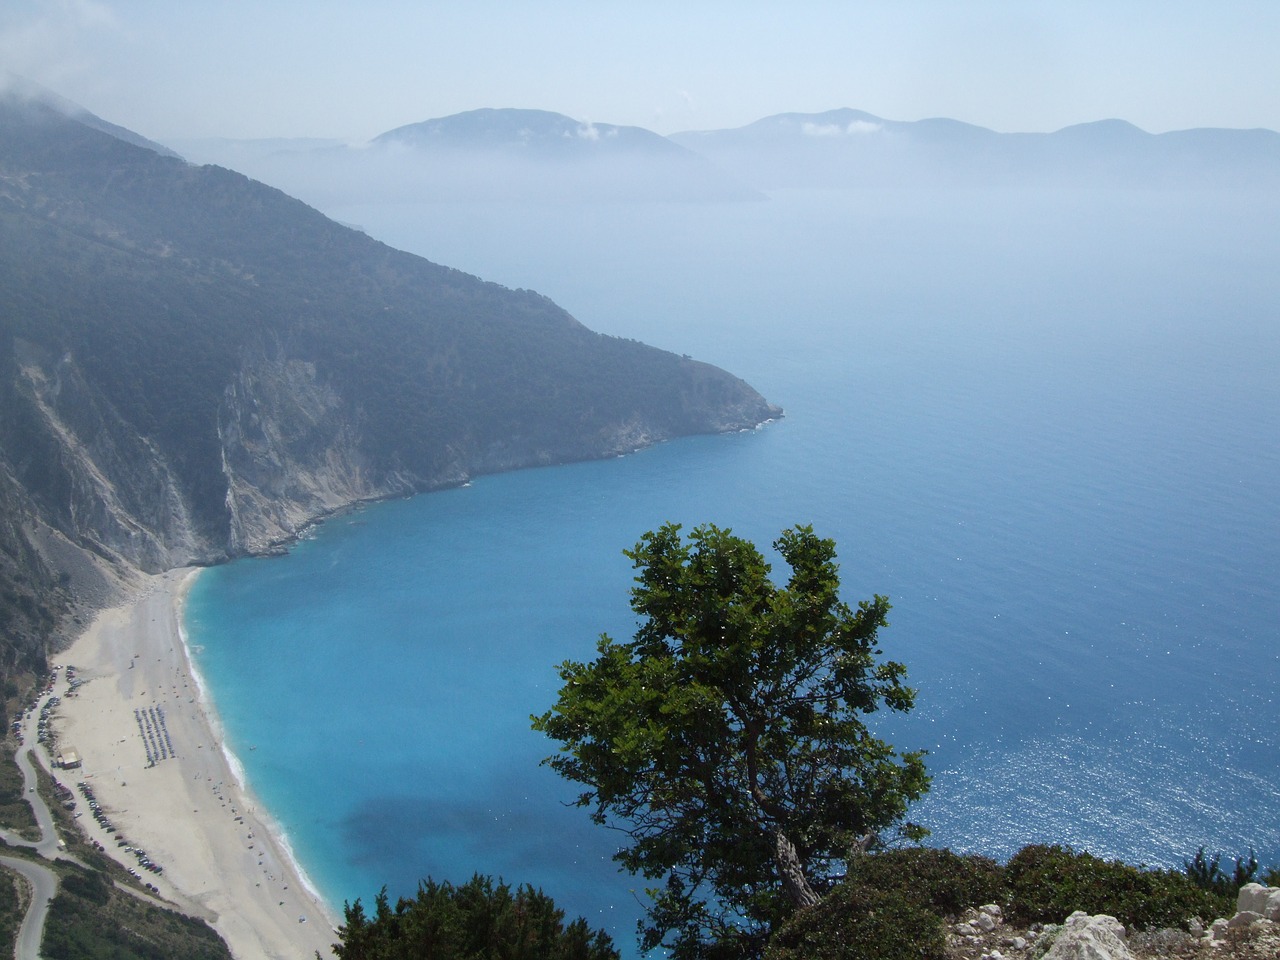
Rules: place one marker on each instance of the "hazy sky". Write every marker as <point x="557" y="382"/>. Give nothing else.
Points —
<point x="258" y="68"/>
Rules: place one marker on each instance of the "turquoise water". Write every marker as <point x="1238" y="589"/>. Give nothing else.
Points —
<point x="1047" y="427"/>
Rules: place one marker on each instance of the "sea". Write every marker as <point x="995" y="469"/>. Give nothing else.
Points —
<point x="1046" y="424"/>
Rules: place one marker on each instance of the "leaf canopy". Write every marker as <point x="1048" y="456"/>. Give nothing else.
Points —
<point x="730" y="728"/>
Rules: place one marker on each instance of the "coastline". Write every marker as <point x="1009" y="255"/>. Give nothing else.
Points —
<point x="193" y="812"/>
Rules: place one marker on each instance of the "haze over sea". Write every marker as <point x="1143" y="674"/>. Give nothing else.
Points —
<point x="1046" y="425"/>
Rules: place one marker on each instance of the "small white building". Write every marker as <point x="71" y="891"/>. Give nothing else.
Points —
<point x="68" y="759"/>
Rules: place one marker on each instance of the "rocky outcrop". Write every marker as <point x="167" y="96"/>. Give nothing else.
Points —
<point x="1257" y="919"/>
<point x="290" y="453"/>
<point x="1090" y="938"/>
<point x="981" y="933"/>
<point x="93" y="476"/>
<point x="1260" y="900"/>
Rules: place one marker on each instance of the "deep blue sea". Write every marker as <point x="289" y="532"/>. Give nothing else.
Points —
<point x="1046" y="425"/>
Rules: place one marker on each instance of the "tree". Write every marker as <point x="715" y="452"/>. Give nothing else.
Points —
<point x="726" y="740"/>
<point x="479" y="920"/>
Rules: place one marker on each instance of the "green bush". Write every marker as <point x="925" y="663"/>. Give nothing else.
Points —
<point x="479" y="920"/>
<point x="1206" y="873"/>
<point x="856" y="922"/>
<point x="1047" y="884"/>
<point x="938" y="880"/>
<point x="94" y="887"/>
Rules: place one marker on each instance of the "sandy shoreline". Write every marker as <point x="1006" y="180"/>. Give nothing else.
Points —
<point x="222" y="859"/>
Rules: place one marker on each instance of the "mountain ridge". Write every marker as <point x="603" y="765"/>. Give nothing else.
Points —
<point x="486" y="154"/>
<point x="851" y="148"/>
<point x="194" y="366"/>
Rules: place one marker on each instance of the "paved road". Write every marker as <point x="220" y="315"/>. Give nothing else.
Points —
<point x="44" y="882"/>
<point x="44" y="887"/>
<point x="47" y="845"/>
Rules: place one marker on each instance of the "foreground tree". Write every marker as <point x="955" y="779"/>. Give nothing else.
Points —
<point x="479" y="920"/>
<point x="726" y="740"/>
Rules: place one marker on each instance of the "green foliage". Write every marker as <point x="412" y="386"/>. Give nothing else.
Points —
<point x="1048" y="883"/>
<point x="15" y="810"/>
<point x="11" y="911"/>
<point x="1207" y="874"/>
<point x="943" y="882"/>
<point x="856" y="922"/>
<point x="154" y="292"/>
<point x="730" y="728"/>
<point x="91" y="920"/>
<point x="159" y="279"/>
<point x="478" y="921"/>
<point x="90" y="886"/>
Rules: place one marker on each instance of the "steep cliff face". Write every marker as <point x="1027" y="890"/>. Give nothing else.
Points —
<point x="92" y="476"/>
<point x="193" y="366"/>
<point x="290" y="452"/>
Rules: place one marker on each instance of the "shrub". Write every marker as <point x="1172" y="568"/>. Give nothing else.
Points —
<point x="938" y="880"/>
<point x="479" y="920"/>
<point x="1206" y="874"/>
<point x="856" y="922"/>
<point x="94" y="887"/>
<point x="1047" y="884"/>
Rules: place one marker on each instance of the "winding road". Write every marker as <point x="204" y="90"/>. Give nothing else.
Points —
<point x="44" y="887"/>
<point x="43" y="881"/>
<point x="47" y="845"/>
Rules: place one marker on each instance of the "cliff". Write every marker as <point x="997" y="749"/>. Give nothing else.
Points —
<point x="193" y="366"/>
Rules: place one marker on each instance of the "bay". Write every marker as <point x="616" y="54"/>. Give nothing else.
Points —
<point x="1046" y="425"/>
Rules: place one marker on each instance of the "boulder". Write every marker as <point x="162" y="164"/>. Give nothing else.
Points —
<point x="1255" y="898"/>
<point x="1090" y="938"/>
<point x="1245" y="918"/>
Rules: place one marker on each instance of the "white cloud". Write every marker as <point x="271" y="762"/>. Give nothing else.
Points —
<point x="856" y="127"/>
<point x="50" y="42"/>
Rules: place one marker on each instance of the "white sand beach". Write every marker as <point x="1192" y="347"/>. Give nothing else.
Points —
<point x="222" y="860"/>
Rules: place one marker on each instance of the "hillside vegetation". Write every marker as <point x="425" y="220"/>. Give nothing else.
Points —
<point x="194" y="365"/>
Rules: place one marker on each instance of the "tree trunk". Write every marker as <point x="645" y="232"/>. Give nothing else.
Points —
<point x="792" y="873"/>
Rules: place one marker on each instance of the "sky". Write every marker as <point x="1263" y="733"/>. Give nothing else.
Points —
<point x="321" y="68"/>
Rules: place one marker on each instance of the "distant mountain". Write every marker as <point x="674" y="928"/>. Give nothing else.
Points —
<point x="532" y="134"/>
<point x="485" y="155"/>
<point x="194" y="365"/>
<point x="18" y="93"/>
<point x="843" y="148"/>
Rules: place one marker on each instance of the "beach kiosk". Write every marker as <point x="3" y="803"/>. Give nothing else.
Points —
<point x="68" y="759"/>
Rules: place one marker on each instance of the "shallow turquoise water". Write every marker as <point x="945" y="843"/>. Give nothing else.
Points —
<point x="1048" y="430"/>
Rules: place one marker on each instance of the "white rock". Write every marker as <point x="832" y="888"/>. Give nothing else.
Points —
<point x="1218" y="929"/>
<point x="1245" y="918"/>
<point x="984" y="922"/>
<point x="1255" y="898"/>
<point x="1252" y="897"/>
<point x="966" y="930"/>
<point x="1090" y="938"/>
<point x="1019" y="943"/>
<point x="992" y="910"/>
